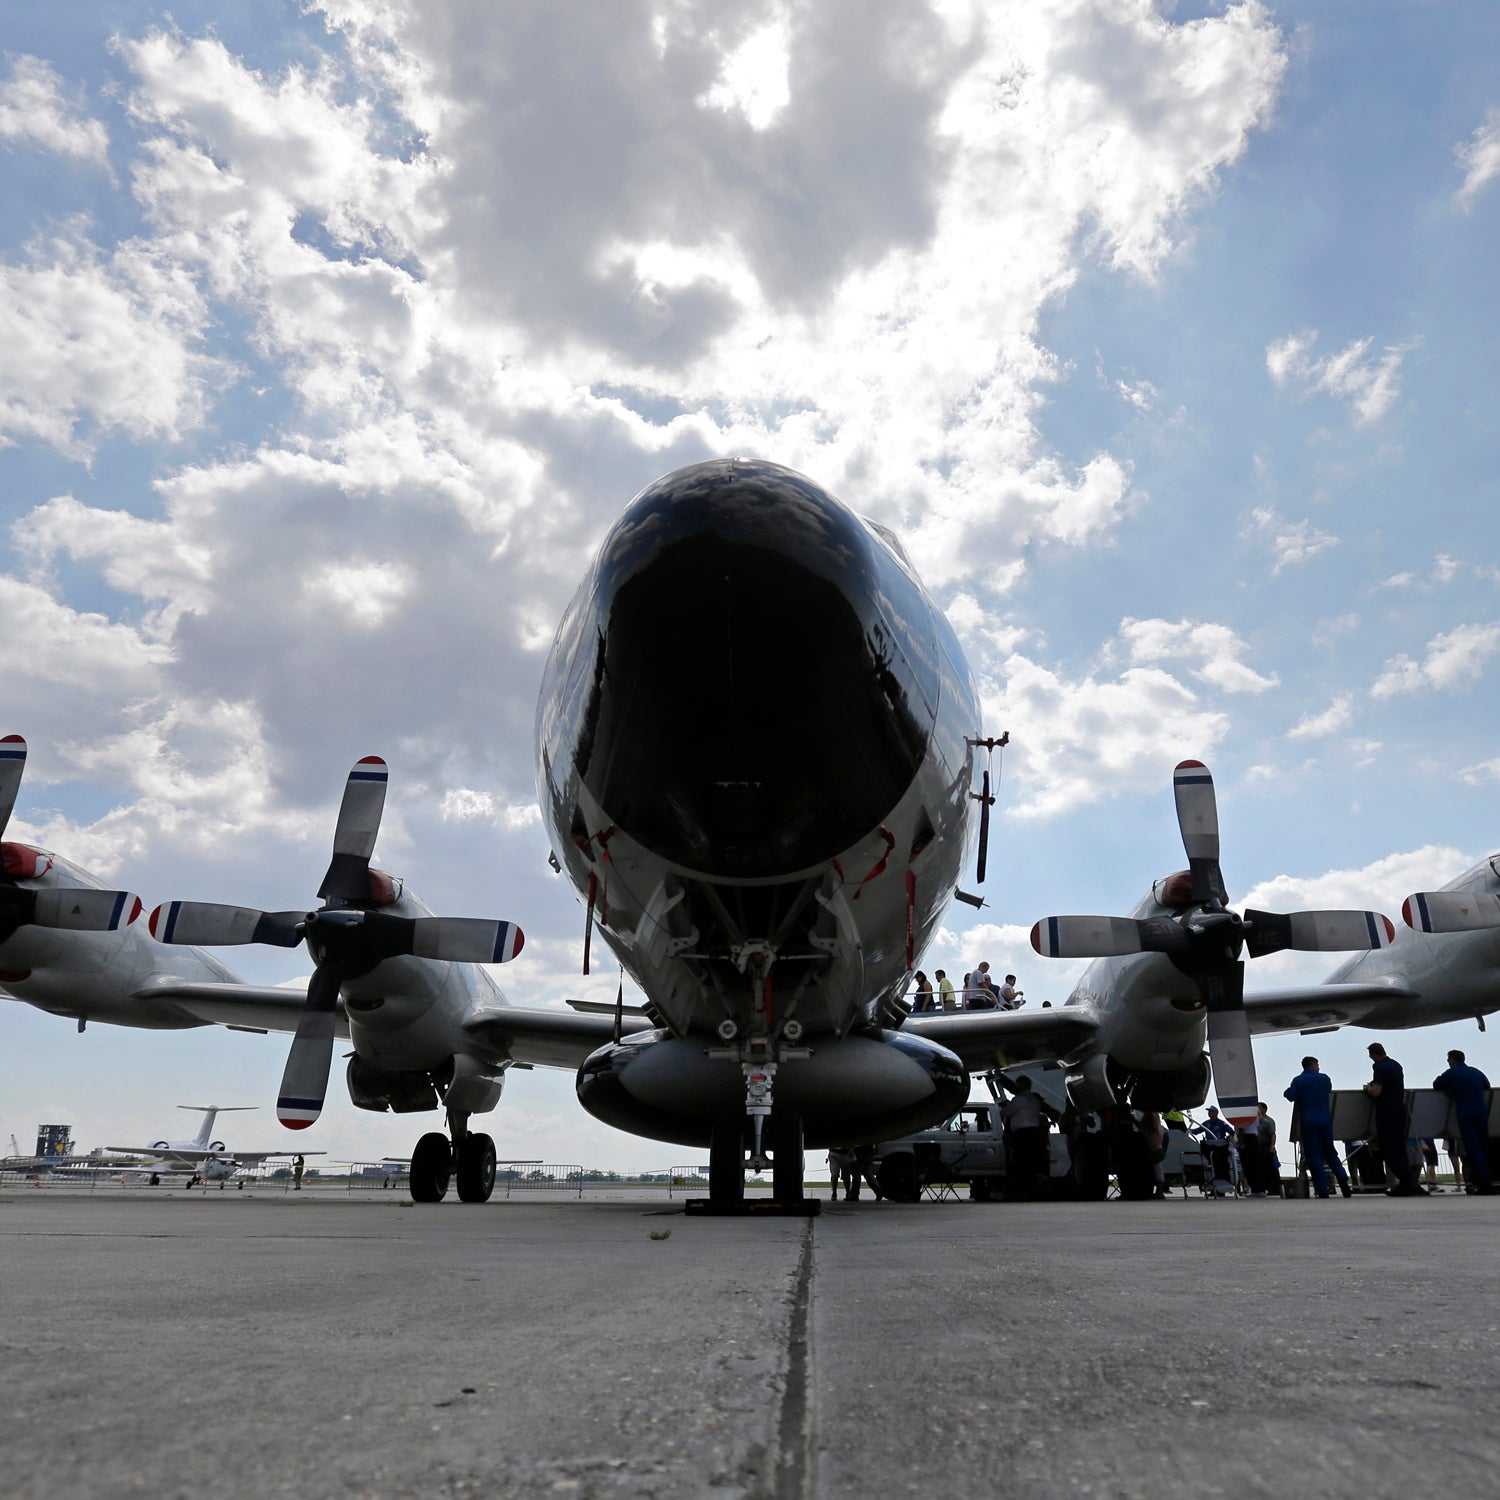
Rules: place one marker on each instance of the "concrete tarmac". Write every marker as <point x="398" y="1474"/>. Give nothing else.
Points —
<point x="346" y="1345"/>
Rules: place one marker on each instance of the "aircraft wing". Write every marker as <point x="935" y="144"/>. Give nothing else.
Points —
<point x="247" y="1007"/>
<point x="547" y="1038"/>
<point x="188" y="1156"/>
<point x="987" y="1039"/>
<point x="1324" y="1007"/>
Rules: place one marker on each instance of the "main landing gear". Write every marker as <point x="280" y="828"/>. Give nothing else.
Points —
<point x="470" y="1158"/>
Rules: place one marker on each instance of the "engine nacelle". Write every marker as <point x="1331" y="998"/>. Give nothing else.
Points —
<point x="1090" y="1087"/>
<point x="216" y="1146"/>
<point x="848" y="1091"/>
<point x="471" y="1086"/>
<point x="401" y="1093"/>
<point x="1183" y="1088"/>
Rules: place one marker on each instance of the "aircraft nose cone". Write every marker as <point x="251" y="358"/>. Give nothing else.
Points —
<point x="759" y="702"/>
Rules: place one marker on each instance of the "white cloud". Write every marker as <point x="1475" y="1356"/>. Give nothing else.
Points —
<point x="1215" y="648"/>
<point x="753" y="79"/>
<point x="1336" y="716"/>
<point x="1444" y="570"/>
<point x="1086" y="740"/>
<point x="1291" y="542"/>
<point x="1483" y="774"/>
<point x="1369" y="385"/>
<point x="1381" y="886"/>
<point x="1479" y="157"/>
<point x="33" y="111"/>
<point x="465" y="804"/>
<point x="1453" y="659"/>
<point x="99" y="343"/>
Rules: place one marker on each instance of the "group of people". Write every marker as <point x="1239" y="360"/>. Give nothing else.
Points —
<point x="978" y="992"/>
<point x="1311" y="1091"/>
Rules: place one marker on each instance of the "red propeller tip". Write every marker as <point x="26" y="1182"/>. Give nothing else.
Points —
<point x="1036" y="937"/>
<point x="370" y="760"/>
<point x="154" y="919"/>
<point x="1390" y="929"/>
<point x="1190" y="765"/>
<point x="1406" y="912"/>
<point x="12" y="739"/>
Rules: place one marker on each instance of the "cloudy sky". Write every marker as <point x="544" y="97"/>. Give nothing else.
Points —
<point x="336" y="334"/>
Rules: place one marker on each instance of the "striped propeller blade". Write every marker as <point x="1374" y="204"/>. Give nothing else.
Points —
<point x="1086" y="937"/>
<point x="12" y="768"/>
<point x="466" y="940"/>
<point x="1198" y="822"/>
<point x="1233" y="1063"/>
<point x="1317" y="931"/>
<point x="209" y="925"/>
<point x="348" y="877"/>
<point x="304" y="1081"/>
<point x="83" y="909"/>
<point x="1451" y="911"/>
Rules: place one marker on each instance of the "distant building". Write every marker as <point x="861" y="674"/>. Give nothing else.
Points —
<point x="54" y="1140"/>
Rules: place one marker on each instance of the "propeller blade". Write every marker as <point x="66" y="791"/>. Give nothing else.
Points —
<point x="348" y="877"/>
<point x="1106" y="937"/>
<point x="1316" y="931"/>
<point x="12" y="768"/>
<point x="1451" y="911"/>
<point x="82" y="909"/>
<point x="206" y="924"/>
<point x="1233" y="1063"/>
<point x="465" y="940"/>
<point x="304" y="1082"/>
<point x="1198" y="822"/>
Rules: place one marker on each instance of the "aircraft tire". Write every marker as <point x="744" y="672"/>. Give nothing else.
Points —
<point x="786" y="1158"/>
<point x="475" y="1168"/>
<point x="898" y="1179"/>
<point x="431" y="1166"/>
<point x="726" y="1161"/>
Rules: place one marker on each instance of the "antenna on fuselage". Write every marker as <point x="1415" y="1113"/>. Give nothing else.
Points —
<point x="985" y="798"/>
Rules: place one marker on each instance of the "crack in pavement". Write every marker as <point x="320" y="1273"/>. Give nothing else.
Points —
<point x="791" y="1477"/>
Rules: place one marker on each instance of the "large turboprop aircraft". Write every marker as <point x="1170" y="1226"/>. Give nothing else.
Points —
<point x="398" y="981"/>
<point x="755" y="766"/>
<point x="70" y="946"/>
<point x="1169" y="978"/>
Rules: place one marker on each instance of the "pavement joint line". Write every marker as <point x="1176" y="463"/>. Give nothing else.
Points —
<point x="792" y="1477"/>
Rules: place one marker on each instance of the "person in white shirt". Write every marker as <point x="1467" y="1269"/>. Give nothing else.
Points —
<point x="1009" y="995"/>
<point x="1026" y="1164"/>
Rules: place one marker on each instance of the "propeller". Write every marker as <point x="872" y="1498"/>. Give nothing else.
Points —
<point x="1451" y="911"/>
<point x="1206" y="938"/>
<point x="346" y="938"/>
<point x="71" y="908"/>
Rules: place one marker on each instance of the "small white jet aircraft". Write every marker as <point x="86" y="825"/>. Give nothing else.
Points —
<point x="201" y="1158"/>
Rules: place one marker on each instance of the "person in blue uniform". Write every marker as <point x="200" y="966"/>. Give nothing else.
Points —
<point x="1468" y="1089"/>
<point x="1311" y="1092"/>
<point x="1216" y="1135"/>
<point x="1387" y="1087"/>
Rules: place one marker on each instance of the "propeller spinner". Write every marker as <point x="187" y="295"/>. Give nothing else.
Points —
<point x="1206" y="940"/>
<point x="345" y="938"/>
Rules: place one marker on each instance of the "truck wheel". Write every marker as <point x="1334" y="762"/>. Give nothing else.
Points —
<point x="898" y="1179"/>
<point x="981" y="1190"/>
